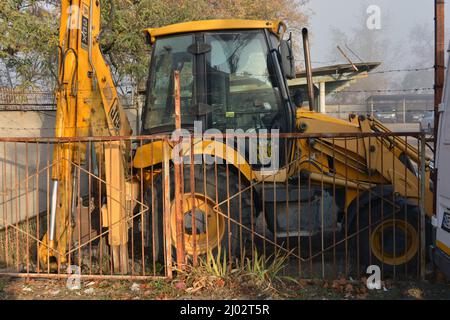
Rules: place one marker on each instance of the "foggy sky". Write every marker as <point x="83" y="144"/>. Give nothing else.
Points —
<point x="401" y="16"/>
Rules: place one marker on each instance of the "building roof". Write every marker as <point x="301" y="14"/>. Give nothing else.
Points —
<point x="336" y="77"/>
<point x="342" y="69"/>
<point x="277" y="27"/>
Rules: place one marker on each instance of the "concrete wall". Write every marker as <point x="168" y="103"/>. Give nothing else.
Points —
<point x="24" y="167"/>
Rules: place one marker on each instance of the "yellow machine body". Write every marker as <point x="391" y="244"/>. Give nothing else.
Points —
<point x="361" y="162"/>
<point x="88" y="105"/>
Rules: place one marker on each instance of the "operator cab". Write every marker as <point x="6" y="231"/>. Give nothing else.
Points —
<point x="232" y="76"/>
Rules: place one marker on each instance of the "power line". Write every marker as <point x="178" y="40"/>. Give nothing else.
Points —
<point x="402" y="70"/>
<point x="385" y="90"/>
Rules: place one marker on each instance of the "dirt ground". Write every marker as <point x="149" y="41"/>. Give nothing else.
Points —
<point x="45" y="289"/>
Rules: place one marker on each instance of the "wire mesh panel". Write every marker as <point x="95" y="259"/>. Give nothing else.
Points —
<point x="85" y="207"/>
<point x="334" y="206"/>
<point x="312" y="205"/>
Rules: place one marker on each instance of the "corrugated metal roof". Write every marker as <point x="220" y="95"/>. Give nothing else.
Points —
<point x="337" y="77"/>
<point x="341" y="69"/>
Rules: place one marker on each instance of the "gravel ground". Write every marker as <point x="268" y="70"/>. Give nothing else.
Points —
<point x="45" y="289"/>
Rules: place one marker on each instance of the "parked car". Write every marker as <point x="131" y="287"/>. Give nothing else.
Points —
<point x="386" y="116"/>
<point x="414" y="117"/>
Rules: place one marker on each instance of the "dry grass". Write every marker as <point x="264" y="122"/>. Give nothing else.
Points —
<point x="216" y="271"/>
<point x="18" y="243"/>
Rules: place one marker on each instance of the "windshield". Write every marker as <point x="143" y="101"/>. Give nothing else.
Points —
<point x="236" y="89"/>
<point x="240" y="86"/>
<point x="170" y="54"/>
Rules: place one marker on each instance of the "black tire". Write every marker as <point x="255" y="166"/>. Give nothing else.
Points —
<point x="240" y="207"/>
<point x="396" y="248"/>
<point x="154" y="200"/>
<point x="97" y="189"/>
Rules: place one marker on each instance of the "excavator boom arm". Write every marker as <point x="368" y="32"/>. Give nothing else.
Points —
<point x="87" y="105"/>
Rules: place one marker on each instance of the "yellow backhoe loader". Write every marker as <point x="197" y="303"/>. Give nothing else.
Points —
<point x="233" y="76"/>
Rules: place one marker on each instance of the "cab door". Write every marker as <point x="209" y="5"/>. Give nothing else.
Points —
<point x="441" y="220"/>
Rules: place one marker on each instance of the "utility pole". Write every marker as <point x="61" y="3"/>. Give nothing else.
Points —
<point x="439" y="61"/>
<point x="439" y="70"/>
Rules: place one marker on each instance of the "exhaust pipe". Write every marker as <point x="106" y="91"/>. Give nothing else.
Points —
<point x="308" y="68"/>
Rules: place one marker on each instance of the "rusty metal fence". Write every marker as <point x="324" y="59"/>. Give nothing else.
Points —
<point x="330" y="205"/>
<point x="15" y="99"/>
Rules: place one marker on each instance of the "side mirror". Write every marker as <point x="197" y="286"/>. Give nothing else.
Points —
<point x="287" y="59"/>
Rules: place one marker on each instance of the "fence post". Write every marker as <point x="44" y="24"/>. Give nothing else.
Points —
<point x="422" y="207"/>
<point x="179" y="189"/>
<point x="166" y="211"/>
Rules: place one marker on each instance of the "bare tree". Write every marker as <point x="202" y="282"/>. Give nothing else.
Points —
<point x="362" y="44"/>
<point x="421" y="54"/>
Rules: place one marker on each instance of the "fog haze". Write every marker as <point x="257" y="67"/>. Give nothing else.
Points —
<point x="398" y="19"/>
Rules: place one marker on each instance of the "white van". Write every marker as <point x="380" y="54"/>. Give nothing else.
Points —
<point x="441" y="219"/>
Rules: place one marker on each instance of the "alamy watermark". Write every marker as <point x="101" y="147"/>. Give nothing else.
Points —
<point x="214" y="147"/>
<point x="74" y="280"/>
<point x="373" y="21"/>
<point x="373" y="282"/>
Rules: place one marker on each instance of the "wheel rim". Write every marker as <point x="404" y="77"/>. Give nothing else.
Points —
<point x="394" y="242"/>
<point x="209" y="225"/>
